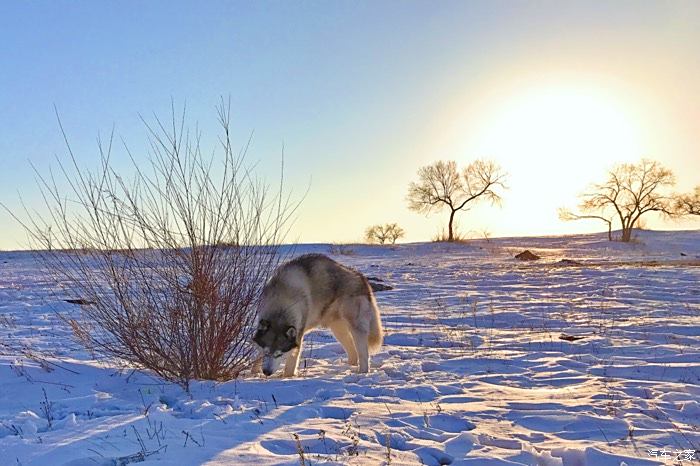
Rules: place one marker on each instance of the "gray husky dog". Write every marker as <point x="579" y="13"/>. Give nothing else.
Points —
<point x="315" y="291"/>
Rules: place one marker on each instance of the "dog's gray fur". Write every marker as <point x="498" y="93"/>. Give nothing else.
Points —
<point x="315" y="291"/>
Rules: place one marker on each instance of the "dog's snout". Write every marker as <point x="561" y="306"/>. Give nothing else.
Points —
<point x="267" y="372"/>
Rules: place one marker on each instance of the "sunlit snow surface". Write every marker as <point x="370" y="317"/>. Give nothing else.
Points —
<point x="473" y="370"/>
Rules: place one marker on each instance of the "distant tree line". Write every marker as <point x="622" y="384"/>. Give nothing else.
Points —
<point x="630" y="192"/>
<point x="383" y="234"/>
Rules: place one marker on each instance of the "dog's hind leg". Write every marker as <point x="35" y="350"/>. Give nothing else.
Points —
<point x="341" y="333"/>
<point x="361" y="336"/>
<point x="359" y="321"/>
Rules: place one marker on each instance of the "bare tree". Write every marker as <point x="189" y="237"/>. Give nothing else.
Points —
<point x="688" y="204"/>
<point x="170" y="261"/>
<point x="631" y="191"/>
<point x="441" y="185"/>
<point x="381" y="234"/>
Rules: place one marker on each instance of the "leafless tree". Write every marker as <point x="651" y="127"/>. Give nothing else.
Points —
<point x="688" y="204"/>
<point x="441" y="185"/>
<point x="169" y="261"/>
<point x="631" y="191"/>
<point x="382" y="234"/>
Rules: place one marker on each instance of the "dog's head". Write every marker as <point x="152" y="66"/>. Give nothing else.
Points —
<point x="275" y="339"/>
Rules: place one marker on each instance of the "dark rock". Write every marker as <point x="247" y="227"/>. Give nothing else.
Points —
<point x="527" y="255"/>
<point x="568" y="262"/>
<point x="378" y="284"/>
<point x="566" y="337"/>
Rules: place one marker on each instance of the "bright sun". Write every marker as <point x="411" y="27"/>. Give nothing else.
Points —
<point x="554" y="143"/>
<point x="563" y="128"/>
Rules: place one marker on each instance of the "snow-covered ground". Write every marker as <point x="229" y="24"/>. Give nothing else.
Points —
<point x="473" y="370"/>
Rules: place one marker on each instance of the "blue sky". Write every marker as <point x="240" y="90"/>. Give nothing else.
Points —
<point x="361" y="94"/>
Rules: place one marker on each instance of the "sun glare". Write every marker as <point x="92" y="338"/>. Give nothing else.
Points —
<point x="562" y="128"/>
<point x="554" y="143"/>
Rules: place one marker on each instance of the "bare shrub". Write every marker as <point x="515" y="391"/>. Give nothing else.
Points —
<point x="172" y="259"/>
<point x="382" y="234"/>
<point x="340" y="249"/>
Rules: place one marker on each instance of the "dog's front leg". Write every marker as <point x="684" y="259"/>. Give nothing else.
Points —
<point x="290" y="366"/>
<point x="256" y="366"/>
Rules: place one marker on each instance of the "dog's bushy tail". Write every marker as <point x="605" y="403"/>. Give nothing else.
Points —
<point x="376" y="332"/>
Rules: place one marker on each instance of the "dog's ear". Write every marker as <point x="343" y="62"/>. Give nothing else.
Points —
<point x="292" y="334"/>
<point x="263" y="327"/>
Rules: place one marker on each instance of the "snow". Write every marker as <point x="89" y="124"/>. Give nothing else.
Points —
<point x="473" y="370"/>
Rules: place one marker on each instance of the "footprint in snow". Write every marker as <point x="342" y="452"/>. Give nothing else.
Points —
<point x="314" y="445"/>
<point x="450" y="423"/>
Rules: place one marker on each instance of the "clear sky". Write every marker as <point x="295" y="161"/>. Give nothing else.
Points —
<point x="362" y="94"/>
